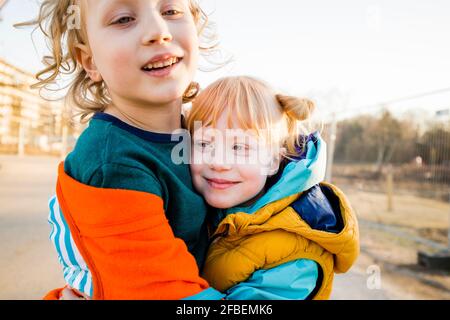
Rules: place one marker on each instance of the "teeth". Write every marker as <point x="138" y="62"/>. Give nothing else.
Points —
<point x="168" y="63"/>
<point x="161" y="64"/>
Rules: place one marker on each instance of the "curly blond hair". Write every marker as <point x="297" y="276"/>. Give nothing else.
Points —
<point x="84" y="94"/>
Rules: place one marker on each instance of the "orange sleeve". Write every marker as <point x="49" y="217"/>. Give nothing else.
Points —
<point x="54" y="294"/>
<point x="127" y="243"/>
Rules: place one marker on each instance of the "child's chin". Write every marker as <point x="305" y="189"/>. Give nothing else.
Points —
<point x="220" y="204"/>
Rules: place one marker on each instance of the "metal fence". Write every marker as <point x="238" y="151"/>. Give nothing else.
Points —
<point x="395" y="167"/>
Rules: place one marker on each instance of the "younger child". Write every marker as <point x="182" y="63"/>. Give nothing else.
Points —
<point x="285" y="234"/>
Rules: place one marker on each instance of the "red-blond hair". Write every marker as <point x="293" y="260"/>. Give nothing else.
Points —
<point x="255" y="106"/>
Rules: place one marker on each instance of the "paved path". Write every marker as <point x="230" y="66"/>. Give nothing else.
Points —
<point x="28" y="264"/>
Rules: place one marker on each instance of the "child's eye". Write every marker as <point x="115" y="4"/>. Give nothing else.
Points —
<point x="240" y="148"/>
<point x="171" y="12"/>
<point x="203" y="145"/>
<point x="123" y="20"/>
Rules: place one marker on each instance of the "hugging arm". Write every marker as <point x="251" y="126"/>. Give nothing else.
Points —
<point x="295" y="280"/>
<point x="126" y="243"/>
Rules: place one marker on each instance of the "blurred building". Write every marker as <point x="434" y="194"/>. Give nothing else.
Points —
<point x="29" y="124"/>
<point x="443" y="115"/>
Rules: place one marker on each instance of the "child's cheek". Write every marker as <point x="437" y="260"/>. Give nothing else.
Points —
<point x="255" y="174"/>
<point x="250" y="171"/>
<point x="121" y="63"/>
<point x="196" y="176"/>
<point x="110" y="72"/>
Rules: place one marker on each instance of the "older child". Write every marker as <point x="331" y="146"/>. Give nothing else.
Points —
<point x="132" y="213"/>
<point x="285" y="234"/>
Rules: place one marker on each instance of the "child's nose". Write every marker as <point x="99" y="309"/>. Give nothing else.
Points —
<point x="156" y="31"/>
<point x="217" y="166"/>
<point x="218" y="162"/>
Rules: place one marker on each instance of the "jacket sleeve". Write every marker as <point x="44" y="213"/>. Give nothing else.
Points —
<point x="295" y="280"/>
<point x="55" y="294"/>
<point x="127" y="244"/>
<point x="75" y="271"/>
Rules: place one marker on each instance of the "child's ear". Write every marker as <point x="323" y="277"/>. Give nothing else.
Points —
<point x="85" y="58"/>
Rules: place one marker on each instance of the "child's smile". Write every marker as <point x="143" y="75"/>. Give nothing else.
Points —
<point x="221" y="184"/>
<point x="161" y="65"/>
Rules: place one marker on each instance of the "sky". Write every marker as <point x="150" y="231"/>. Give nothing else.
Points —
<point x="348" y="55"/>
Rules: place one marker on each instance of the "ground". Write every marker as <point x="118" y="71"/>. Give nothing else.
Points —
<point x="29" y="266"/>
<point x="28" y="263"/>
<point x="391" y="240"/>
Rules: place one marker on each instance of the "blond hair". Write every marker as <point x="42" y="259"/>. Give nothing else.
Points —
<point x="255" y="106"/>
<point x="86" y="95"/>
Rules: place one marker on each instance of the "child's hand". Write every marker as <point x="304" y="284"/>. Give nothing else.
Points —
<point x="72" y="294"/>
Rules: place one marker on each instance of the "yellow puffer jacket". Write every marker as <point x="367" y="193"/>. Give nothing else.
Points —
<point x="276" y="234"/>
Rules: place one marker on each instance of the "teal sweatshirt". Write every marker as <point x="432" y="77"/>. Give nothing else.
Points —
<point x="112" y="154"/>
